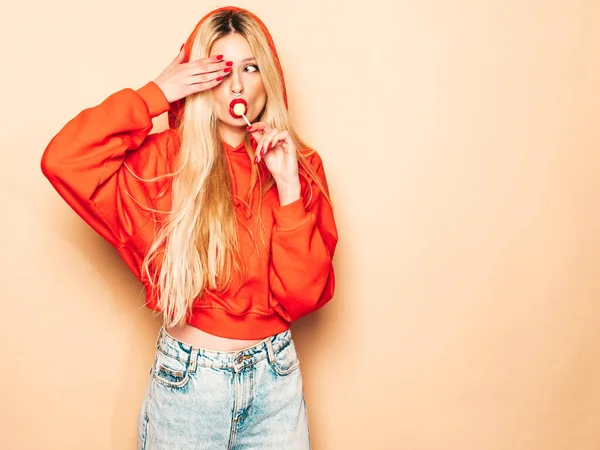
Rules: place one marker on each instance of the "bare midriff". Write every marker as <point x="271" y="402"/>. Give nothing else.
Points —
<point x="198" y="338"/>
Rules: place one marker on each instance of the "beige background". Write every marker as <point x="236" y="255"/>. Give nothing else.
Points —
<point x="461" y="143"/>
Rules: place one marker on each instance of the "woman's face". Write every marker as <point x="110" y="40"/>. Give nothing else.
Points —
<point x="244" y="79"/>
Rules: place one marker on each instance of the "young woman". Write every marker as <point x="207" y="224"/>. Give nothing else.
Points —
<point x="229" y="227"/>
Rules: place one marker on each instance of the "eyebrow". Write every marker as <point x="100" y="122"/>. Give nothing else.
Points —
<point x="248" y="59"/>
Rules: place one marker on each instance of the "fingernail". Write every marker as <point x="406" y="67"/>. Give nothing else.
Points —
<point x="269" y="147"/>
<point x="219" y="79"/>
<point x="255" y="159"/>
<point x="229" y="63"/>
<point x="219" y="57"/>
<point x="249" y="127"/>
<point x="227" y="70"/>
<point x="182" y="45"/>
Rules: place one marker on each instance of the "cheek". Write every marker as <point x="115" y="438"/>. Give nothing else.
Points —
<point x="257" y="87"/>
<point x="260" y="97"/>
<point x="220" y="93"/>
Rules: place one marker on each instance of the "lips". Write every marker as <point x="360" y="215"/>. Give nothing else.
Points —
<point x="235" y="102"/>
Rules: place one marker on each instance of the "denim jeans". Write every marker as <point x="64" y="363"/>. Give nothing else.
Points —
<point x="199" y="399"/>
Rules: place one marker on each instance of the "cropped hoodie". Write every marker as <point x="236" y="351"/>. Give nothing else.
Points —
<point x="98" y="163"/>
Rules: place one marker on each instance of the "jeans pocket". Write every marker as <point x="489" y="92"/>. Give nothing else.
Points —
<point x="169" y="371"/>
<point x="286" y="360"/>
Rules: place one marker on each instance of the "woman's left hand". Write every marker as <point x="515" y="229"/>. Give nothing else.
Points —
<point x="278" y="151"/>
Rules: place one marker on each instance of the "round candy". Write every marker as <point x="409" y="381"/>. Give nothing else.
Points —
<point x="239" y="109"/>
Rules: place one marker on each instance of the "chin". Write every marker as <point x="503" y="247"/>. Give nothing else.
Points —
<point x="236" y="123"/>
<point x="229" y="121"/>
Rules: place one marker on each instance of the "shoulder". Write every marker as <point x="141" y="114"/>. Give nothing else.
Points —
<point x="311" y="164"/>
<point x="312" y="174"/>
<point x="312" y="157"/>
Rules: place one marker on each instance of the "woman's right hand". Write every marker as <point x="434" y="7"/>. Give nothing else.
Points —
<point x="181" y="79"/>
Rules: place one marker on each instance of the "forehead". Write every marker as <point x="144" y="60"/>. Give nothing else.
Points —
<point x="233" y="46"/>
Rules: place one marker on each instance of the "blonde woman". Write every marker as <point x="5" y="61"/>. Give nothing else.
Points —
<point x="229" y="228"/>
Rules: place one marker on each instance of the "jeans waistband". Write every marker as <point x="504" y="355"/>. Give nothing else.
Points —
<point x="234" y="361"/>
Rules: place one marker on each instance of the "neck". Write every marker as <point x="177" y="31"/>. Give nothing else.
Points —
<point x="232" y="135"/>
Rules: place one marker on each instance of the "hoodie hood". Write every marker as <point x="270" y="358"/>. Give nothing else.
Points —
<point x="177" y="107"/>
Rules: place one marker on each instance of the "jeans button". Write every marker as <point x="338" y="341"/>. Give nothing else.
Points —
<point x="239" y="359"/>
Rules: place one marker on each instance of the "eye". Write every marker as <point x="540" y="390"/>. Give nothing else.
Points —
<point x="251" y="68"/>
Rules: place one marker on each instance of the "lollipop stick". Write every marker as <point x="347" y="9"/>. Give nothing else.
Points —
<point x="249" y="124"/>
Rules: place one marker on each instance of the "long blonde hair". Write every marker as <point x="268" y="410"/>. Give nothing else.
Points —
<point x="196" y="247"/>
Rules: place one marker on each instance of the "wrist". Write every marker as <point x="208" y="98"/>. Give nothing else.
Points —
<point x="288" y="192"/>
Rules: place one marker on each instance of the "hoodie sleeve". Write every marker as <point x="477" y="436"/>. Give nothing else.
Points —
<point x="302" y="247"/>
<point x="98" y="162"/>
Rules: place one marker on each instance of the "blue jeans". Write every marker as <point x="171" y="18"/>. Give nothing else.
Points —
<point x="199" y="399"/>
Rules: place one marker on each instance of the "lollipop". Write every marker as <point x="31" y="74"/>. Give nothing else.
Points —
<point x="237" y="108"/>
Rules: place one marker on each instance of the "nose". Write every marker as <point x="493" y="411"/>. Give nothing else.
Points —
<point x="235" y="83"/>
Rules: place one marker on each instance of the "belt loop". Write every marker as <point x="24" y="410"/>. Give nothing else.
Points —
<point x="270" y="352"/>
<point x="193" y="360"/>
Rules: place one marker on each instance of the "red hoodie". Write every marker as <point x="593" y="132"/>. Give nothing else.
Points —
<point x="95" y="163"/>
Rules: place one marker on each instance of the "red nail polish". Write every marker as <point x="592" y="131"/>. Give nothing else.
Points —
<point x="229" y="63"/>
<point x="219" y="79"/>
<point x="255" y="159"/>
<point x="249" y="128"/>
<point x="227" y="70"/>
<point x="219" y="57"/>
<point x="182" y="45"/>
